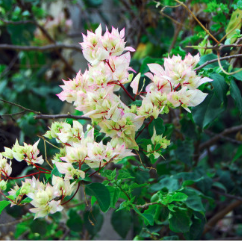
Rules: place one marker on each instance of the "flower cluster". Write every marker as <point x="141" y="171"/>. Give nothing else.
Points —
<point x="172" y="86"/>
<point x="93" y="93"/>
<point x="81" y="148"/>
<point x="28" y="153"/>
<point x="45" y="198"/>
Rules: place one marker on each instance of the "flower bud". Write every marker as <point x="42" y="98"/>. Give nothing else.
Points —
<point x="8" y="153"/>
<point x="3" y="185"/>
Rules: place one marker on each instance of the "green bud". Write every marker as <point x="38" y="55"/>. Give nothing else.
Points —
<point x="3" y="185"/>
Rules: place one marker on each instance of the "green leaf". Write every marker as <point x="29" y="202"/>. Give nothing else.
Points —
<point x="238" y="75"/>
<point x="21" y="33"/>
<point x="93" y="220"/>
<point x="123" y="174"/>
<point x="184" y="151"/>
<point x="220" y="86"/>
<point x="208" y="110"/>
<point x="179" y="197"/>
<point x="74" y="222"/>
<point x="195" y="203"/>
<point x="236" y="95"/>
<point x="56" y="172"/>
<point x="220" y="185"/>
<point x="39" y="226"/>
<point x="171" y="184"/>
<point x="238" y="154"/>
<point x="114" y="194"/>
<point x="3" y="204"/>
<point x="179" y="221"/>
<point x="234" y="23"/>
<point x="26" y="200"/>
<point x="136" y="102"/>
<point x="7" y="4"/>
<point x="93" y="3"/>
<point x="121" y="221"/>
<point x="148" y="218"/>
<point x="159" y="127"/>
<point x="196" y="228"/>
<point x="101" y="193"/>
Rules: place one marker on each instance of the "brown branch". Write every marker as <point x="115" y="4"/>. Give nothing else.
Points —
<point x="224" y="137"/>
<point x="17" y="105"/>
<point x="146" y="205"/>
<point x="58" y="116"/>
<point x="218" y="136"/>
<point x="213" y="221"/>
<point x="39" y="115"/>
<point x="17" y="22"/>
<point x="40" y="48"/>
<point x="16" y="221"/>
<point x="215" y="60"/>
<point x="228" y="195"/>
<point x="206" y="30"/>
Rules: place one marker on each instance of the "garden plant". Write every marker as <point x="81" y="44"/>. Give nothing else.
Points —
<point x="155" y="132"/>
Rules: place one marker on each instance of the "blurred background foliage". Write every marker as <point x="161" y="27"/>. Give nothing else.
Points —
<point x="201" y="153"/>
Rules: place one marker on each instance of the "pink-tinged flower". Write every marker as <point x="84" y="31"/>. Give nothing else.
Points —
<point x="69" y="171"/>
<point x="192" y="81"/>
<point x="29" y="153"/>
<point x="191" y="61"/>
<point x="135" y="84"/>
<point x="72" y="87"/>
<point x="157" y="69"/>
<point x="63" y="187"/>
<point x="13" y="190"/>
<point x="77" y="153"/>
<point x="120" y="67"/>
<point x="96" y="155"/>
<point x="114" y="42"/>
<point x="148" y="109"/>
<point x="191" y="98"/>
<point x="124" y="129"/>
<point x="95" y="54"/>
<point x="121" y="151"/>
<point x="44" y="207"/>
<point x="5" y="167"/>
<point x="186" y="98"/>
<point x="98" y="76"/>
<point x="92" y="47"/>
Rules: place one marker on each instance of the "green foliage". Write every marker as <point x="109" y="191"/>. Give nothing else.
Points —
<point x="165" y="198"/>
<point x="101" y="193"/>
<point x="121" y="222"/>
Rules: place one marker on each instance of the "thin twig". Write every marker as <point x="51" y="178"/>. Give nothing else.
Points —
<point x="16" y="221"/>
<point x="17" y="105"/>
<point x="40" y="48"/>
<point x="58" y="116"/>
<point x="228" y="195"/>
<point x="218" y="216"/>
<point x="218" y="136"/>
<point x="17" y="22"/>
<point x="206" y="30"/>
<point x="146" y="205"/>
<point x="216" y="60"/>
<point x="224" y="137"/>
